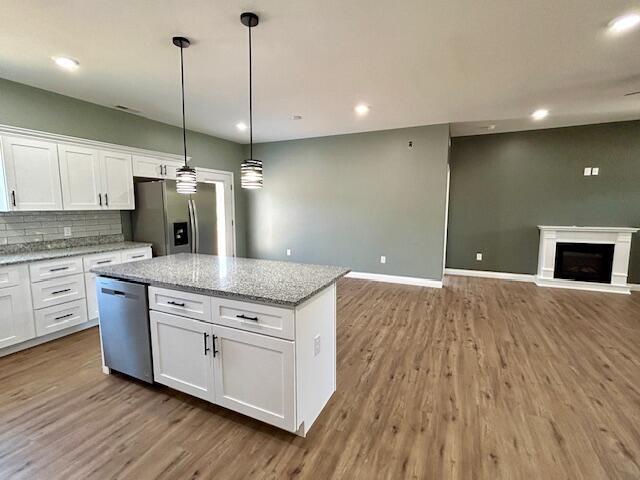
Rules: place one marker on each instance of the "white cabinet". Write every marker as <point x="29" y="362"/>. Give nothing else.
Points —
<point x="117" y="180"/>
<point x="136" y="255"/>
<point x="31" y="175"/>
<point x="255" y="375"/>
<point x="16" y="314"/>
<point x="95" y="179"/>
<point x="151" y="167"/>
<point x="92" y="295"/>
<point x="186" y="304"/>
<point x="58" y="317"/>
<point x="80" y="177"/>
<point x="182" y="355"/>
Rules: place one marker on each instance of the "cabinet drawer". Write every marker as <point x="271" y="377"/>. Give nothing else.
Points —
<point x="55" y="268"/>
<point x="253" y="317"/>
<point x="59" y="317"/>
<point x="136" y="254"/>
<point x="57" y="291"/>
<point x="186" y="304"/>
<point x="101" y="259"/>
<point x="12" y="276"/>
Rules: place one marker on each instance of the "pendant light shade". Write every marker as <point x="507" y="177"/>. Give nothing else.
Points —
<point x="250" y="169"/>
<point x="186" y="181"/>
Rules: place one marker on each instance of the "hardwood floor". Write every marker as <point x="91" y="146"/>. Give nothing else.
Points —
<point x="484" y="379"/>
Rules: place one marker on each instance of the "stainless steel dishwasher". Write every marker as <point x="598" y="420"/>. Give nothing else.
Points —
<point x="124" y="327"/>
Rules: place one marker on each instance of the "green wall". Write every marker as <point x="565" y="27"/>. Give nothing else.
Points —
<point x="36" y="109"/>
<point x="504" y="185"/>
<point x="349" y="199"/>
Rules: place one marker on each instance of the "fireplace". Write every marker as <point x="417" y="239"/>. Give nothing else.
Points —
<point x="584" y="262"/>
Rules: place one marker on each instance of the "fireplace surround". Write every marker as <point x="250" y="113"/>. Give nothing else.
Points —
<point x="584" y="258"/>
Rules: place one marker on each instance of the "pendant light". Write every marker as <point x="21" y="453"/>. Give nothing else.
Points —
<point x="185" y="175"/>
<point x="250" y="169"/>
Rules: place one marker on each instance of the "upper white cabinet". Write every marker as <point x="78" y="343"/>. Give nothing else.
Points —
<point x="150" y="167"/>
<point x="31" y="173"/>
<point x="80" y="178"/>
<point x="95" y="179"/>
<point x="117" y="180"/>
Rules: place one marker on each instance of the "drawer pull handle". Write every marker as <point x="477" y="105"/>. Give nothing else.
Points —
<point x="176" y="304"/>
<point x="102" y="262"/>
<point x="213" y="341"/>
<point x="206" y="348"/>
<point x="244" y="317"/>
<point x="138" y="256"/>
<point x="58" y="269"/>
<point x="64" y="316"/>
<point x="57" y="292"/>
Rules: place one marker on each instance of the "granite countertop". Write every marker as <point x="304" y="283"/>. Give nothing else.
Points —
<point x="37" y="255"/>
<point x="263" y="281"/>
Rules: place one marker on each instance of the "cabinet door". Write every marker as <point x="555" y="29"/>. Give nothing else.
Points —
<point x="147" y="167"/>
<point x="170" y="169"/>
<point x="16" y="314"/>
<point x="117" y="180"/>
<point x="80" y="178"/>
<point x="255" y="375"/>
<point x="92" y="295"/>
<point x="33" y="175"/>
<point x="182" y="357"/>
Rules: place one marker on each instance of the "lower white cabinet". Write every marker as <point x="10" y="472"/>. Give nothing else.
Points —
<point x="16" y="313"/>
<point x="59" y="317"/>
<point x="57" y="291"/>
<point x="255" y="375"/>
<point x="92" y="295"/>
<point x="182" y="355"/>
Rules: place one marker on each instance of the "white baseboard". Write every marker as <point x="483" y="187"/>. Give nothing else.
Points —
<point x="517" y="277"/>
<point x="634" y="287"/>
<point x="380" y="277"/>
<point x="587" y="286"/>
<point x="47" y="338"/>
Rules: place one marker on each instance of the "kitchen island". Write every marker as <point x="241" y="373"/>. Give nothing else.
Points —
<point x="255" y="336"/>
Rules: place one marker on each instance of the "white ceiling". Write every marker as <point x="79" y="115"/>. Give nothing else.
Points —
<point x="416" y="62"/>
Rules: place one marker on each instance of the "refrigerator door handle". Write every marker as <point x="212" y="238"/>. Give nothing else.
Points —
<point x="192" y="225"/>
<point x="196" y="236"/>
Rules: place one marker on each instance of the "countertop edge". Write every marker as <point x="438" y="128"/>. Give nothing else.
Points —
<point x="219" y="293"/>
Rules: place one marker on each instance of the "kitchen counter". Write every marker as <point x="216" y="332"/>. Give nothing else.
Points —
<point x="263" y="281"/>
<point x="35" y="256"/>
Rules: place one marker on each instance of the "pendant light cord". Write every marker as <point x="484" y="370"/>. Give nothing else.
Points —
<point x="184" y="129"/>
<point x="250" y="98"/>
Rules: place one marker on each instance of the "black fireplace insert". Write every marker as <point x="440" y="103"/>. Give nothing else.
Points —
<point x="586" y="262"/>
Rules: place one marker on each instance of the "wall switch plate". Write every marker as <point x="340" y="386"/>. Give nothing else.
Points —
<point x="595" y="170"/>
<point x="288" y="252"/>
<point x="316" y="345"/>
<point x="67" y="231"/>
<point x="383" y="259"/>
<point x="479" y="256"/>
<point x="587" y="171"/>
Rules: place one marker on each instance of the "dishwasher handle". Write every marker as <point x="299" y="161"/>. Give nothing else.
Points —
<point x="118" y="293"/>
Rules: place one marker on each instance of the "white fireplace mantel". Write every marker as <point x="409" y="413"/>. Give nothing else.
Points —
<point x="620" y="237"/>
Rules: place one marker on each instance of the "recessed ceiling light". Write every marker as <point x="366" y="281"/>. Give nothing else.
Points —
<point x="491" y="127"/>
<point x="362" y="109"/>
<point x="241" y="126"/>
<point x="296" y="117"/>
<point x="540" y="114"/>
<point x="624" y="23"/>
<point x="66" y="63"/>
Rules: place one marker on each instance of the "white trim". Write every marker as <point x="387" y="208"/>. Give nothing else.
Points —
<point x="590" y="286"/>
<point x="25" y="132"/>
<point x="47" y="338"/>
<point x="564" y="228"/>
<point x="634" y="287"/>
<point x="380" y="277"/>
<point x="517" y="277"/>
<point x="446" y="218"/>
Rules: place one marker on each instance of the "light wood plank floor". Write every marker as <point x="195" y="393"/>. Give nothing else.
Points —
<point x="484" y="379"/>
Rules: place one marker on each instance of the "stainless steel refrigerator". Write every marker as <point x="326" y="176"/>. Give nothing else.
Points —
<point x="173" y="222"/>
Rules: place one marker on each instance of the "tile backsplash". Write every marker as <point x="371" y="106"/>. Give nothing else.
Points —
<point x="32" y="227"/>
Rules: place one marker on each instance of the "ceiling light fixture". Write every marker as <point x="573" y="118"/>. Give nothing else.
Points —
<point x="250" y="169"/>
<point x="296" y="117"/>
<point x="362" y="109"/>
<point x="241" y="126"/>
<point x="186" y="181"/>
<point x="540" y="114"/>
<point x="624" y="23"/>
<point x="491" y="127"/>
<point x="66" y="63"/>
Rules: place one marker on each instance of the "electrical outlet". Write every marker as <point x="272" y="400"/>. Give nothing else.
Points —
<point x="479" y="256"/>
<point x="587" y="171"/>
<point x="288" y="252"/>
<point x="595" y="170"/>
<point x="383" y="259"/>
<point x="316" y="345"/>
<point x="67" y="231"/>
